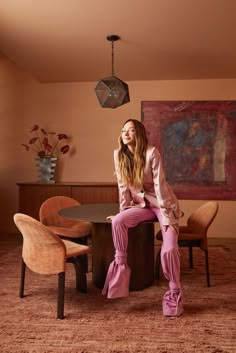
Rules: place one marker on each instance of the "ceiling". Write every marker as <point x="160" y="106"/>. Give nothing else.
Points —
<point x="65" y="40"/>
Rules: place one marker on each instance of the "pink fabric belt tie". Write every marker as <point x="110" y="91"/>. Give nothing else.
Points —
<point x="118" y="275"/>
<point x="120" y="257"/>
<point x="174" y="286"/>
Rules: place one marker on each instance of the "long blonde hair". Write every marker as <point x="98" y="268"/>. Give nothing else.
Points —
<point x="131" y="166"/>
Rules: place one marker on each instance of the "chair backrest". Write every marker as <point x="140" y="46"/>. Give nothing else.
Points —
<point x="43" y="252"/>
<point x="201" y="219"/>
<point x="48" y="213"/>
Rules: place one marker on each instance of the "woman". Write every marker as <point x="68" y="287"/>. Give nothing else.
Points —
<point x="143" y="194"/>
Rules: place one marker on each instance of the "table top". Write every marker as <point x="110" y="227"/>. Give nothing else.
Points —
<point x="95" y="213"/>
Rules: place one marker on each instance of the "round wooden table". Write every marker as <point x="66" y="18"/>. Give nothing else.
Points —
<point x="140" y="244"/>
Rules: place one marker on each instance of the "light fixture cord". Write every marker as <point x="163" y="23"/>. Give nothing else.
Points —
<point x="112" y="57"/>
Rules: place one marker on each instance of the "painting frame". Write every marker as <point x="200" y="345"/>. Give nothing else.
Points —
<point x="197" y="143"/>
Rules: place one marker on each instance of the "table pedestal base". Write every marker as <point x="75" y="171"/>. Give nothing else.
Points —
<point x="140" y="254"/>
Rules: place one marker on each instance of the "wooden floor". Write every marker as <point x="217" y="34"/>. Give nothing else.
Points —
<point x="9" y="241"/>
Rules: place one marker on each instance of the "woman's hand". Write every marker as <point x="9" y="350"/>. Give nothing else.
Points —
<point x="110" y="218"/>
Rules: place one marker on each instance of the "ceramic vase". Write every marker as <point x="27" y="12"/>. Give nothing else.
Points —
<point x="46" y="167"/>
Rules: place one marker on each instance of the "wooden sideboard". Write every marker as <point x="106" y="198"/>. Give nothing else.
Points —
<point x="32" y="195"/>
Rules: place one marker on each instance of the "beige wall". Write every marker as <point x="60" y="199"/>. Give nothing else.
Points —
<point x="72" y="108"/>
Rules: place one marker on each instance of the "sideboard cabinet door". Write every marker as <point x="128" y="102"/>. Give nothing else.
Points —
<point x="101" y="193"/>
<point x="31" y="196"/>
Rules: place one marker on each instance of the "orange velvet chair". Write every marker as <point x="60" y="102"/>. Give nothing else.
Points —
<point x="69" y="228"/>
<point x="45" y="253"/>
<point x="77" y="231"/>
<point x="194" y="234"/>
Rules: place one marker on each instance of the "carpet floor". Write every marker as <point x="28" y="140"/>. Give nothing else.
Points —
<point x="94" y="324"/>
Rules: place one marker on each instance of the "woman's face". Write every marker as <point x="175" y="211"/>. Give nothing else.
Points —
<point x="128" y="134"/>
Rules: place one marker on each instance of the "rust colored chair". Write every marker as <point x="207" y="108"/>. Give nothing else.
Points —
<point x="45" y="253"/>
<point x="48" y="215"/>
<point x="77" y="231"/>
<point x="194" y="234"/>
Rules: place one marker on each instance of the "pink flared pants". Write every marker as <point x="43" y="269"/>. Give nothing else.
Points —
<point x="118" y="275"/>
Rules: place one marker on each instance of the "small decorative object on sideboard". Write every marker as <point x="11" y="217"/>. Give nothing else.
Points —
<point x="47" y="147"/>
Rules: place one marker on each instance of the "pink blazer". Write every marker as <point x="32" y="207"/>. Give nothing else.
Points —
<point x="154" y="192"/>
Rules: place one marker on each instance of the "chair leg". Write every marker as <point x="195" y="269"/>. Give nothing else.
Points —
<point x="207" y="268"/>
<point x="190" y="251"/>
<point x="158" y="265"/>
<point x="83" y="258"/>
<point x="80" y="270"/>
<point x="22" y="279"/>
<point x="61" y="295"/>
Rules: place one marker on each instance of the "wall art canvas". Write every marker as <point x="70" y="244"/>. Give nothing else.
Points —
<point x="197" y="141"/>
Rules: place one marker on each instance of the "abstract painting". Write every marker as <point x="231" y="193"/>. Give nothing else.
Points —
<point x="197" y="143"/>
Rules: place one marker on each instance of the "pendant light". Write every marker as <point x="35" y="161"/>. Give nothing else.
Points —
<point x="111" y="91"/>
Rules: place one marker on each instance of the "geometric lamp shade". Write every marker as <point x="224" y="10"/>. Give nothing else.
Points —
<point x="112" y="92"/>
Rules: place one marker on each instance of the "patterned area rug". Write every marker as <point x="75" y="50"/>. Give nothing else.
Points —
<point x="94" y="324"/>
